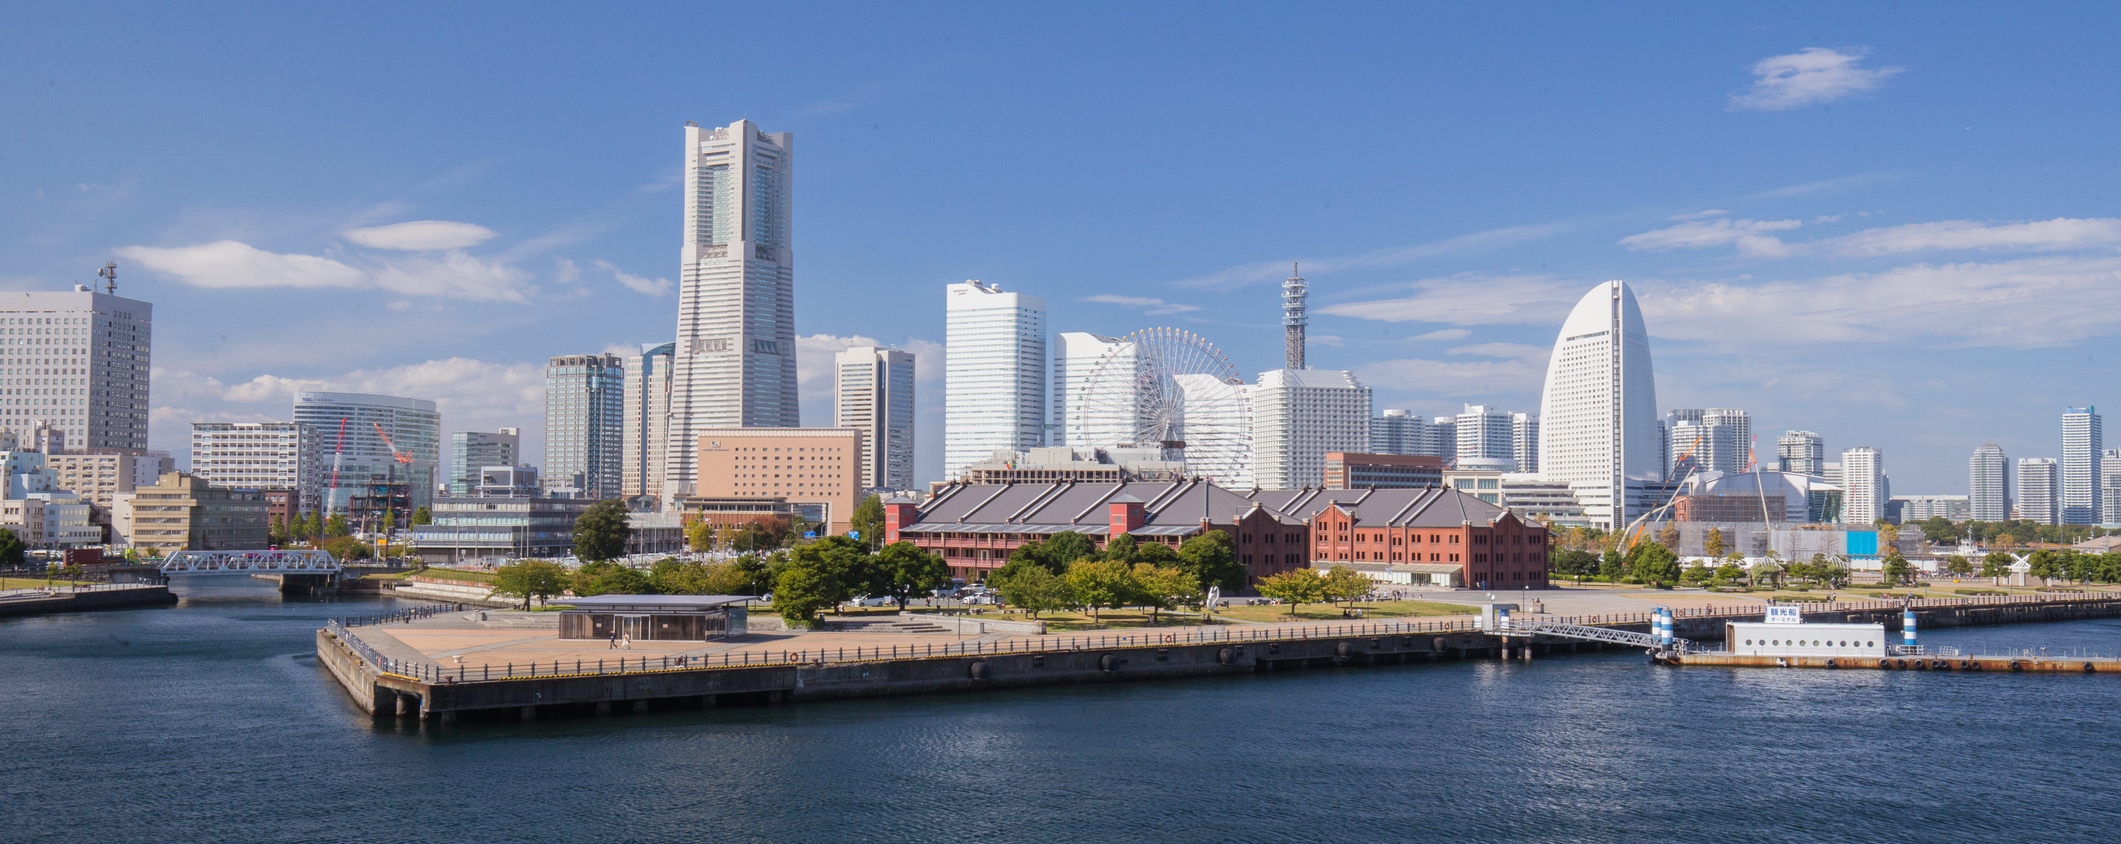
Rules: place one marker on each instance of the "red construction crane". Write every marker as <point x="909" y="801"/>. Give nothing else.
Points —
<point x="336" y="454"/>
<point x="400" y="456"/>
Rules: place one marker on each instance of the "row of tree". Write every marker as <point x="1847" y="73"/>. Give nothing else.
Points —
<point x="1648" y="562"/>
<point x="1297" y="587"/>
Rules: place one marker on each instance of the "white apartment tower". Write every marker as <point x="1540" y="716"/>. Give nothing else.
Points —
<point x="1802" y="452"/>
<point x="1863" y="485"/>
<point x="1082" y="418"/>
<point x="1396" y="431"/>
<point x="1598" y="410"/>
<point x="994" y="373"/>
<point x="2039" y="482"/>
<point x="1485" y="433"/>
<point x="1988" y="484"/>
<point x="585" y="413"/>
<point x="1524" y="441"/>
<point x="77" y="360"/>
<point x="645" y="443"/>
<point x="2082" y="448"/>
<point x="2110" y="489"/>
<point x="1297" y="416"/>
<point x="734" y="358"/>
<point x="259" y="455"/>
<point x="874" y="392"/>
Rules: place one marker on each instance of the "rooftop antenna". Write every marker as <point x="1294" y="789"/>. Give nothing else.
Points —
<point x="1293" y="292"/>
<point x="109" y="274"/>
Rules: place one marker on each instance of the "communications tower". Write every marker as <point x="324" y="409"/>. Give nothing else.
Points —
<point x="1293" y="292"/>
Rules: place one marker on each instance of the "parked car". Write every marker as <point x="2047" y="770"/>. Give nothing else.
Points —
<point x="984" y="598"/>
<point x="872" y="601"/>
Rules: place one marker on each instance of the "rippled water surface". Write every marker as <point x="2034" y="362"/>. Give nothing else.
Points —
<point x="211" y="721"/>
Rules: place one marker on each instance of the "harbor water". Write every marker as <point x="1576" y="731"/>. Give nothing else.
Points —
<point x="212" y="721"/>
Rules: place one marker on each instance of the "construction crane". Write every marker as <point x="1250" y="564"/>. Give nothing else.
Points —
<point x="403" y="457"/>
<point x="337" y="454"/>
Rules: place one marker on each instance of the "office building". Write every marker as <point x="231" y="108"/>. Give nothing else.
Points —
<point x="994" y="373"/>
<point x="1707" y="439"/>
<point x="507" y="482"/>
<point x="1298" y="416"/>
<point x="1524" y="441"/>
<point x="1739" y="457"/>
<point x="1443" y="438"/>
<point x="1598" y="408"/>
<point x="1396" y="431"/>
<point x="646" y="439"/>
<point x="378" y="448"/>
<point x="585" y="417"/>
<point x="1112" y="421"/>
<point x="258" y="455"/>
<point x="1863" y="485"/>
<point x="183" y="512"/>
<point x="100" y="476"/>
<point x="2039" y="489"/>
<point x="733" y="365"/>
<point x="495" y="529"/>
<point x="820" y="467"/>
<point x="78" y="360"/>
<point x="471" y="451"/>
<point x="874" y="393"/>
<point x="1802" y="452"/>
<point x="1350" y="470"/>
<point x="2082" y="447"/>
<point x="1910" y="509"/>
<point x="1988" y="484"/>
<point x="2110" y="486"/>
<point x="1486" y="433"/>
<point x="41" y="513"/>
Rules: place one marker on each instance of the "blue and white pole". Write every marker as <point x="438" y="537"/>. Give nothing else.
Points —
<point x="1669" y="631"/>
<point x="1907" y="626"/>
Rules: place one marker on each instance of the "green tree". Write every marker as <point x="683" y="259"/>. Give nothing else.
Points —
<point x="1612" y="566"/>
<point x="1098" y="584"/>
<point x="699" y="534"/>
<point x="530" y="579"/>
<point x="902" y="570"/>
<point x="1122" y="549"/>
<point x="1164" y="588"/>
<point x="608" y="578"/>
<point x="1727" y="574"/>
<point x="1939" y="529"/>
<point x="700" y="579"/>
<point x="423" y="516"/>
<point x="1895" y="569"/>
<point x="1033" y="553"/>
<point x="1696" y="574"/>
<point x="1061" y="550"/>
<point x="1211" y="558"/>
<point x="336" y="526"/>
<point x="762" y="571"/>
<point x="848" y="564"/>
<point x="1155" y="554"/>
<point x="1295" y="587"/>
<point x="12" y="551"/>
<point x="276" y="531"/>
<point x="347" y="548"/>
<point x="1712" y="544"/>
<point x="1343" y="585"/>
<point x="1033" y="588"/>
<point x="868" y="520"/>
<point x="1655" y="564"/>
<point x="600" y="533"/>
<point x="1956" y="565"/>
<point x="1570" y="562"/>
<point x="1997" y="564"/>
<point x="2046" y="564"/>
<point x="804" y="589"/>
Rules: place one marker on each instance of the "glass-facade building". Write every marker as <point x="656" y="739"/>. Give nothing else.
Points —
<point x="373" y="446"/>
<point x="471" y="451"/>
<point x="585" y="417"/>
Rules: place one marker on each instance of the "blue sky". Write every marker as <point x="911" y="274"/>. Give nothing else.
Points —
<point x="1891" y="224"/>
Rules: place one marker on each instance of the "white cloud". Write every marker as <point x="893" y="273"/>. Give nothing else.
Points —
<point x="2036" y="236"/>
<point x="1514" y="351"/>
<point x="422" y="236"/>
<point x="1750" y="236"/>
<point x="1812" y="76"/>
<point x="229" y="264"/>
<point x="638" y="284"/>
<point x="1444" y="335"/>
<point x="1147" y="305"/>
<point x="1473" y="299"/>
<point x="1465" y="244"/>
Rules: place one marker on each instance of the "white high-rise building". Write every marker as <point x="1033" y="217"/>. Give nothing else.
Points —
<point x="1396" y="431"/>
<point x="585" y="420"/>
<point x="1300" y="414"/>
<point x="2110" y="489"/>
<point x="1225" y="409"/>
<point x="1485" y="433"/>
<point x="1443" y="438"/>
<point x="874" y="392"/>
<point x="645" y="443"/>
<point x="1863" y="485"/>
<point x="2039" y="483"/>
<point x="1598" y="410"/>
<point x="1715" y="438"/>
<point x="734" y="361"/>
<point x="1739" y="457"/>
<point x="2082" y="447"/>
<point x="258" y="455"/>
<point x="1988" y="484"/>
<point x="79" y="361"/>
<point x="1109" y="416"/>
<point x="1802" y="452"/>
<point x="1524" y="441"/>
<point x="369" y="443"/>
<point x="994" y="373"/>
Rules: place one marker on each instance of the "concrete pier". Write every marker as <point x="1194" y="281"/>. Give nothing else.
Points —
<point x="64" y="599"/>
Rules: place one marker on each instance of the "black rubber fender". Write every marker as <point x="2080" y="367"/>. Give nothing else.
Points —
<point x="1108" y="663"/>
<point x="1344" y="649"/>
<point x="2017" y="666"/>
<point x="1226" y="656"/>
<point x="2088" y="669"/>
<point x="978" y="669"/>
<point x="1830" y="663"/>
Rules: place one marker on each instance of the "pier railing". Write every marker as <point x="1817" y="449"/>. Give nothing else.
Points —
<point x="404" y="615"/>
<point x="1033" y="645"/>
<point x="70" y="589"/>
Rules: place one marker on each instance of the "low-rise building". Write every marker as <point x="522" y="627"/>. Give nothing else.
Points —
<point x="484" y="529"/>
<point x="820" y="466"/>
<point x="182" y="512"/>
<point x="1357" y="470"/>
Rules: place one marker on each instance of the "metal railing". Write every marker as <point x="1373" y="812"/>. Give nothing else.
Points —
<point x="405" y="615"/>
<point x="69" y="589"/>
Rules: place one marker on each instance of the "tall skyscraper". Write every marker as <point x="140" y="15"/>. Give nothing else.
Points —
<point x="1988" y="484"/>
<point x="1111" y="419"/>
<point x="1863" y="485"/>
<point x="734" y="363"/>
<point x="2082" y="448"/>
<point x="585" y="419"/>
<point x="1524" y="441"/>
<point x="1802" y="452"/>
<point x="1598" y="410"/>
<point x="77" y="360"/>
<point x="646" y="440"/>
<point x="1485" y="433"/>
<point x="994" y="373"/>
<point x="258" y="455"/>
<point x="470" y="451"/>
<point x="2110" y="486"/>
<point x="1443" y="439"/>
<point x="1739" y="457"/>
<point x="2039" y="483"/>
<point x="1298" y="415"/>
<point x="1710" y="439"/>
<point x="1396" y="431"/>
<point x="874" y="392"/>
<point x="370" y="444"/>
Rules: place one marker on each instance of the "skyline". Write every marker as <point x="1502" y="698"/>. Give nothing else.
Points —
<point x="1921" y="191"/>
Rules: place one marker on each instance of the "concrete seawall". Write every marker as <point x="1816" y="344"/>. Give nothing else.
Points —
<point x="86" y="600"/>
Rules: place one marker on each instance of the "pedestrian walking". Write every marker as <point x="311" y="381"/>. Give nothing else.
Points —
<point x="614" y="640"/>
<point x="626" y="642"/>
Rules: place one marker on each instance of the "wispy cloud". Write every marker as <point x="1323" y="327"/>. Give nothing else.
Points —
<point x="1750" y="236"/>
<point x="1147" y="305"/>
<point x="422" y="236"/>
<point x="229" y="264"/>
<point x="1444" y="335"/>
<point x="1465" y="244"/>
<point x="1473" y="299"/>
<point x="1808" y="77"/>
<point x="639" y="284"/>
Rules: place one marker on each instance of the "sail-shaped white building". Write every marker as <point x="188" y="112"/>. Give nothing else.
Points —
<point x="1598" y="413"/>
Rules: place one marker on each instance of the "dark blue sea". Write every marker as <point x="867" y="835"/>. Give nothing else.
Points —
<point x="211" y="721"/>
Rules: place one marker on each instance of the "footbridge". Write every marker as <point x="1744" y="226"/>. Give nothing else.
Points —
<point x="297" y="571"/>
<point x="1583" y="633"/>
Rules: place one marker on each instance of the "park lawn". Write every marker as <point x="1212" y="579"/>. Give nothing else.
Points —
<point x="30" y="582"/>
<point x="1372" y="610"/>
<point x="441" y="574"/>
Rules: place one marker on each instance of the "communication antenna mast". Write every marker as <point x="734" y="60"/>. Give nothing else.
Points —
<point x="109" y="274"/>
<point x="1293" y="292"/>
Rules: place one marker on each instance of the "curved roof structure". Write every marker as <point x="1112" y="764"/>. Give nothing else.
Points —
<point x="1598" y="412"/>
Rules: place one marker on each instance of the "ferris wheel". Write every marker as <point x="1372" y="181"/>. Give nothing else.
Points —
<point x="1162" y="388"/>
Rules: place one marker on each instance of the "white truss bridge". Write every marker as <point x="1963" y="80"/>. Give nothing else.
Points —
<point x="251" y="562"/>
<point x="1586" y="634"/>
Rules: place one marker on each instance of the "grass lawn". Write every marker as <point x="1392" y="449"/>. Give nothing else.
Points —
<point x="441" y="574"/>
<point x="1332" y="612"/>
<point x="29" y="582"/>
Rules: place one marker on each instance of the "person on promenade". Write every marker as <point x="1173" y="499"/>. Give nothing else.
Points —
<point x="614" y="640"/>
<point x="626" y="642"/>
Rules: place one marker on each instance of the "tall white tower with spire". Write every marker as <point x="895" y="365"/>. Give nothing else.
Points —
<point x="1293" y="292"/>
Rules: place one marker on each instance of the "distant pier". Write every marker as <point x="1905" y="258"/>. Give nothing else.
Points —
<point x="64" y="599"/>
